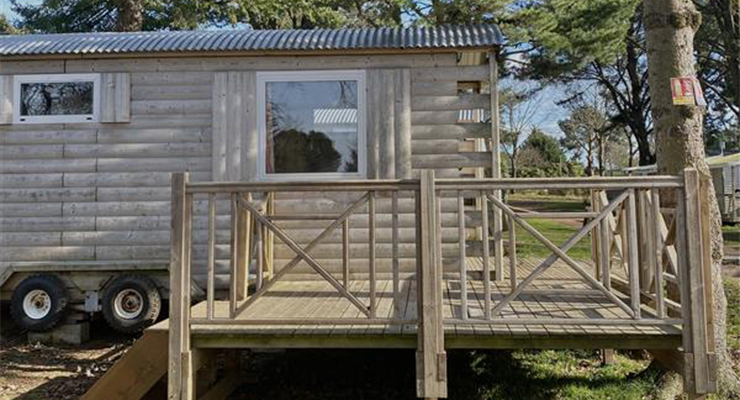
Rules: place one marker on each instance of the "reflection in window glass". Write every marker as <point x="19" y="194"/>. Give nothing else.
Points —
<point x="56" y="98"/>
<point x="311" y="127"/>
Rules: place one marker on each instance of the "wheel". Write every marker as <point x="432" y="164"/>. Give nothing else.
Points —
<point x="131" y="303"/>
<point x="39" y="302"/>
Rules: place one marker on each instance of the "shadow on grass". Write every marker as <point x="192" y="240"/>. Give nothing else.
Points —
<point x="474" y="375"/>
<point x="546" y="375"/>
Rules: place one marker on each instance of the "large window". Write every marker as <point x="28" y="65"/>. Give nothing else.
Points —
<point x="311" y="124"/>
<point x="59" y="98"/>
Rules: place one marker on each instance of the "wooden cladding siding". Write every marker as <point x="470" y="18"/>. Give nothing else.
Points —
<point x="6" y="99"/>
<point x="234" y="156"/>
<point x="101" y="192"/>
<point x="438" y="132"/>
<point x="115" y="94"/>
<point x="389" y="123"/>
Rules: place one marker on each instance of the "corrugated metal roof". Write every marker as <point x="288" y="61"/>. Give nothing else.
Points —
<point x="439" y="37"/>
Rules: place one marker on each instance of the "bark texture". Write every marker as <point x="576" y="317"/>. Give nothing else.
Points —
<point x="670" y="26"/>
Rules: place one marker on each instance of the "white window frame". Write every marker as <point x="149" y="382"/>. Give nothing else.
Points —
<point x="18" y="80"/>
<point x="311" y="76"/>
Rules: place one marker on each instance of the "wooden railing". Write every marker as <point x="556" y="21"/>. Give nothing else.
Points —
<point x="254" y="226"/>
<point x="649" y="260"/>
<point x="631" y="217"/>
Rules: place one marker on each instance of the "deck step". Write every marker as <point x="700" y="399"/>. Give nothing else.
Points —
<point x="136" y="372"/>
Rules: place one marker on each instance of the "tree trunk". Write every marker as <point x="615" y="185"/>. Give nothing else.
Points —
<point x="600" y="142"/>
<point x="130" y="15"/>
<point x="642" y="137"/>
<point x="589" y="156"/>
<point x="670" y="26"/>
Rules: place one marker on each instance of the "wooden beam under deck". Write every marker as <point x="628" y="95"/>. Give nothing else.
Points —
<point x="256" y="341"/>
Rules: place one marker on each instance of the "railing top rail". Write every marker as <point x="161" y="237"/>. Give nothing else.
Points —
<point x="622" y="182"/>
<point x="305" y="186"/>
<point x="637" y="182"/>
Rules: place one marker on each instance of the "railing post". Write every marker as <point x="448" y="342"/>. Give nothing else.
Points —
<point x="633" y="260"/>
<point x="243" y="253"/>
<point x="431" y="359"/>
<point x="595" y="239"/>
<point x="180" y="382"/>
<point x="699" y="359"/>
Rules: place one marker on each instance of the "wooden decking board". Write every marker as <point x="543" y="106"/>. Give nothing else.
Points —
<point x="411" y="310"/>
<point x="466" y="329"/>
<point x="336" y="311"/>
<point x="351" y="312"/>
<point x="448" y="307"/>
<point x="298" y="294"/>
<point x="324" y="303"/>
<point x="318" y="299"/>
<point x="384" y="307"/>
<point x="477" y="309"/>
<point x="405" y="288"/>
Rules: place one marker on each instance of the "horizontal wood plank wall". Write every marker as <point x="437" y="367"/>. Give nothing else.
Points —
<point x="101" y="191"/>
<point x="234" y="144"/>
<point x="6" y="97"/>
<point x="447" y="128"/>
<point x="442" y="137"/>
<point x="115" y="93"/>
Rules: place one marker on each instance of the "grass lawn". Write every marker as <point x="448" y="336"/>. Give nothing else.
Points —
<point x="549" y="374"/>
<point x="545" y="203"/>
<point x="558" y="232"/>
<point x="731" y="235"/>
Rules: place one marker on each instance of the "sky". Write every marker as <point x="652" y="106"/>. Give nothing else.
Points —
<point x="5" y="8"/>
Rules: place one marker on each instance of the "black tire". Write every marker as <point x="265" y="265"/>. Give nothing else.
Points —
<point x="45" y="294"/>
<point x="138" y="306"/>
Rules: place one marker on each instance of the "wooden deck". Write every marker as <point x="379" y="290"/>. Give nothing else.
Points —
<point x="663" y="304"/>
<point x="318" y="300"/>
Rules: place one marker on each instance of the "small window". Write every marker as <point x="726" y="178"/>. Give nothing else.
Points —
<point x="311" y="124"/>
<point x="62" y="98"/>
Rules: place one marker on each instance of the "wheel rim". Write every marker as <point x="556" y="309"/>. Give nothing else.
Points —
<point x="128" y="304"/>
<point x="37" y="304"/>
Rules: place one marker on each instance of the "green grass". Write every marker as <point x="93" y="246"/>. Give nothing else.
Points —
<point x="731" y="235"/>
<point x="551" y="375"/>
<point x="549" y="203"/>
<point x="534" y="196"/>
<point x="556" y="232"/>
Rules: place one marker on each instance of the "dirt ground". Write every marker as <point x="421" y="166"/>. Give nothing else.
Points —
<point x="33" y="371"/>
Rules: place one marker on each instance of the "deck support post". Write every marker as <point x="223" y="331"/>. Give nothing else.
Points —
<point x="700" y="362"/>
<point x="180" y="382"/>
<point x="431" y="359"/>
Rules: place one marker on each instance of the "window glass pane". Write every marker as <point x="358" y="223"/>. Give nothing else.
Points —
<point x="51" y="98"/>
<point x="311" y="127"/>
